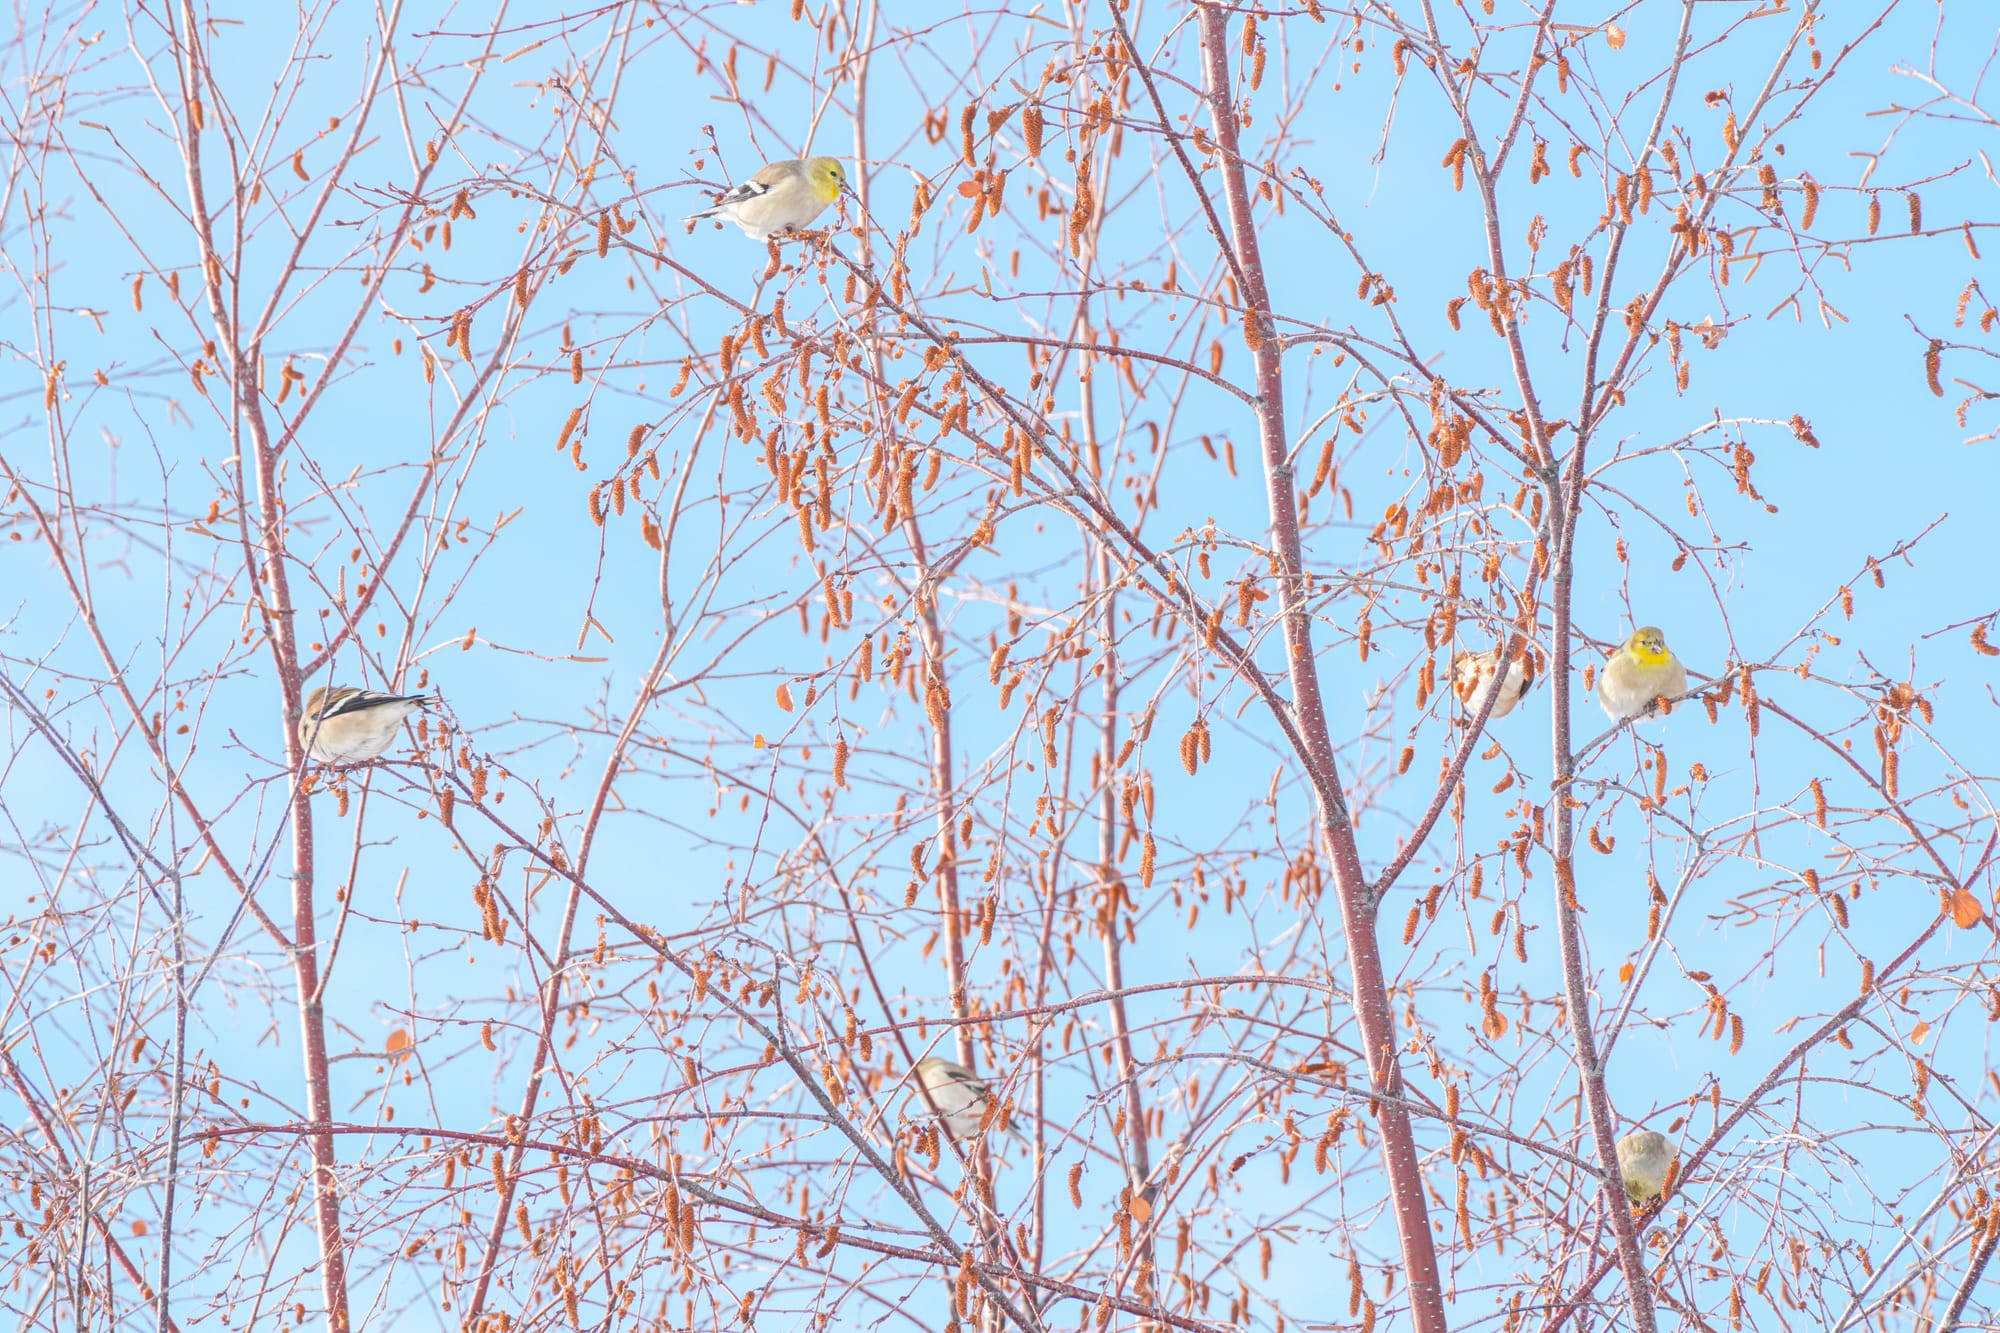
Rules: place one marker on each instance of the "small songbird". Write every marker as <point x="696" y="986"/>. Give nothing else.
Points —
<point x="1644" y="1157"/>
<point x="961" y="1097"/>
<point x="344" y="725"/>
<point x="1639" y="674"/>
<point x="1472" y="672"/>
<point x="781" y="197"/>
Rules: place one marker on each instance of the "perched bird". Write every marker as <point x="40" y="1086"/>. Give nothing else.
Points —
<point x="961" y="1097"/>
<point x="1472" y="672"/>
<point x="1639" y="673"/>
<point x="781" y="197"/>
<point x="344" y="725"/>
<point x="1643" y="1158"/>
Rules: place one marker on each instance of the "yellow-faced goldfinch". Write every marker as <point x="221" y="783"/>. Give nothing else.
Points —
<point x="961" y="1097"/>
<point x="781" y="197"/>
<point x="1471" y="673"/>
<point x="1643" y="1159"/>
<point x="1639" y="674"/>
<point x="343" y="725"/>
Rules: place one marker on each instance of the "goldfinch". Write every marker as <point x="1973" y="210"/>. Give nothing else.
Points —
<point x="961" y="1097"/>
<point x="344" y="725"/>
<point x="1472" y="672"/>
<point x="1639" y="674"/>
<point x="781" y="197"/>
<point x="1643" y="1159"/>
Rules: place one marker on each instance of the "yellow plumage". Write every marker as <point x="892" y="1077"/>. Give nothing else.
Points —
<point x="1642" y="671"/>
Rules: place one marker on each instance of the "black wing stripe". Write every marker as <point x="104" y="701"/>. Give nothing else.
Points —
<point x="361" y="702"/>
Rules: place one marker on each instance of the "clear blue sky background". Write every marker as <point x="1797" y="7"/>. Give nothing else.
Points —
<point x="1891" y="462"/>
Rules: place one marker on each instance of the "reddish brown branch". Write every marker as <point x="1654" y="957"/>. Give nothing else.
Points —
<point x="1358" y="906"/>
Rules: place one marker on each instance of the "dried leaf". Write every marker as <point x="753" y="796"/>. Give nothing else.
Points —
<point x="1965" y="909"/>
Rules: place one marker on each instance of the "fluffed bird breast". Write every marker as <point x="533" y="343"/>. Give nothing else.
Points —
<point x="1641" y="673"/>
<point x="1644" y="1158"/>
<point x="1472" y="672"/>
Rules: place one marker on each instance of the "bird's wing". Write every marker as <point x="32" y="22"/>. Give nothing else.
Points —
<point x="362" y="700"/>
<point x="748" y="190"/>
<point x="767" y="178"/>
<point x="957" y="1076"/>
<point x="759" y="185"/>
<point x="960" y="1082"/>
<point x="331" y="701"/>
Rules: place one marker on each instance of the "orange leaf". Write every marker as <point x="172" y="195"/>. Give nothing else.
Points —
<point x="399" y="1041"/>
<point x="967" y="189"/>
<point x="1624" y="973"/>
<point x="1965" y="909"/>
<point x="1919" y="1032"/>
<point x="1142" y="1208"/>
<point x="1614" y="35"/>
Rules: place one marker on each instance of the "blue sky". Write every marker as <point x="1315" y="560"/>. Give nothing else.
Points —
<point x="538" y="692"/>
